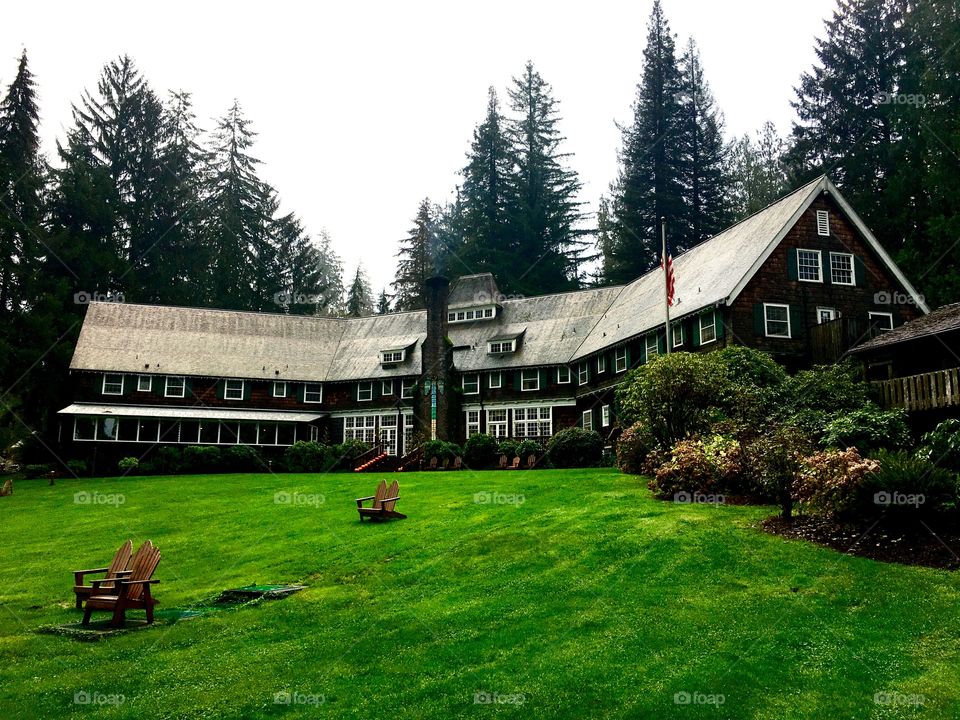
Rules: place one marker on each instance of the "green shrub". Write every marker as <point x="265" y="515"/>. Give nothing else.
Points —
<point x="480" y="451"/>
<point x="711" y="466"/>
<point x="908" y="484"/>
<point x="675" y="395"/>
<point x="746" y="366"/>
<point x="77" y="467"/>
<point x="753" y="389"/>
<point x="201" y="458"/>
<point x="441" y="449"/>
<point x="941" y="446"/>
<point x="508" y="448"/>
<point x="128" y="465"/>
<point x="831" y="482"/>
<point x="574" y="447"/>
<point x="167" y="460"/>
<point x="868" y="429"/>
<point x="772" y="461"/>
<point x="308" y="456"/>
<point x="829" y="389"/>
<point x="36" y="470"/>
<point x="528" y="447"/>
<point x="243" y="458"/>
<point x="634" y="446"/>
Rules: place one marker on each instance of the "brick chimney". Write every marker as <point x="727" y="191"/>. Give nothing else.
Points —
<point x="435" y="405"/>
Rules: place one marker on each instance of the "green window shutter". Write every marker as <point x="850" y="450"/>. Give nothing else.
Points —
<point x="859" y="271"/>
<point x="695" y="331"/>
<point x="758" y="323"/>
<point x="516" y="379"/>
<point x="628" y="358"/>
<point x="798" y="327"/>
<point x="247" y="389"/>
<point x="662" y="342"/>
<point x="301" y="388"/>
<point x="220" y="386"/>
<point x="544" y="378"/>
<point x="792" y="263"/>
<point x="825" y="263"/>
<point x="718" y="322"/>
<point x="188" y="387"/>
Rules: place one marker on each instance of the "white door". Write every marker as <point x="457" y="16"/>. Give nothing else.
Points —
<point x="388" y="438"/>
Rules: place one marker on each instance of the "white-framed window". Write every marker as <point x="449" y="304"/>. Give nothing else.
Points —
<point x="144" y="383"/>
<point x="620" y="360"/>
<point x="841" y="269"/>
<point x="407" y="433"/>
<point x="826" y="314"/>
<point x="883" y="320"/>
<point x="587" y="419"/>
<point x="823" y="223"/>
<point x="563" y="375"/>
<point x="497" y="423"/>
<point x="314" y="433"/>
<point x="499" y="347"/>
<point x="529" y="380"/>
<point x="708" y="328"/>
<point x="175" y="386"/>
<point x="473" y="422"/>
<point x="776" y="320"/>
<point x="365" y="391"/>
<point x="676" y="329"/>
<point x="583" y="374"/>
<point x="388" y="357"/>
<point x="406" y="388"/>
<point x="313" y="392"/>
<point x="471" y="384"/>
<point x="808" y="266"/>
<point x="601" y="363"/>
<point x="495" y="380"/>
<point x="480" y="313"/>
<point x="533" y="422"/>
<point x="360" y="427"/>
<point x="605" y="416"/>
<point x="233" y="389"/>
<point x="279" y="389"/>
<point x="386" y="387"/>
<point x="653" y="346"/>
<point x="112" y="384"/>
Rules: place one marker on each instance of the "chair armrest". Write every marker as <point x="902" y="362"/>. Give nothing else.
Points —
<point x="386" y="500"/>
<point x="78" y="574"/>
<point x="369" y="497"/>
<point x="138" y="582"/>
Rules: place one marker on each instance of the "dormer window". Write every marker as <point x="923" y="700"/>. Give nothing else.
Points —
<point x="499" y="347"/>
<point x="390" y="357"/>
<point x="473" y="314"/>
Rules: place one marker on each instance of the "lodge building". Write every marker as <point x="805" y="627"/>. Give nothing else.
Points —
<point x="474" y="360"/>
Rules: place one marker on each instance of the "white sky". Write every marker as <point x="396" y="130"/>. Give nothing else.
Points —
<point x="363" y="109"/>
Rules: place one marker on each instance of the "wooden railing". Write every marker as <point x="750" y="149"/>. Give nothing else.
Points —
<point x="830" y="340"/>
<point x="928" y="391"/>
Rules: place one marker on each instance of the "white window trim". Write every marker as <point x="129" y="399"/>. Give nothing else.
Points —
<point x="560" y="380"/>
<point x="523" y="380"/>
<point x="676" y="331"/>
<point x="384" y="360"/>
<point x="463" y="384"/>
<point x="227" y="389"/>
<point x="505" y="346"/>
<point x="103" y="387"/>
<point x="149" y="379"/>
<point x="713" y="325"/>
<point x="819" y="254"/>
<point x="621" y="355"/>
<point x="406" y="390"/>
<point x="823" y="219"/>
<point x="586" y="419"/>
<point x="305" y="386"/>
<point x="601" y="363"/>
<point x="605" y="416"/>
<point x="872" y="314"/>
<point x="766" y="328"/>
<point x="656" y="345"/>
<point x="853" y="269"/>
<point x="499" y="378"/>
<point x="832" y="311"/>
<point x="583" y="374"/>
<point x="386" y="387"/>
<point x="369" y="385"/>
<point x="183" y="386"/>
<point x="282" y="384"/>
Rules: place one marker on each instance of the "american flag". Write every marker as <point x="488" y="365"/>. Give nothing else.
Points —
<point x="670" y="280"/>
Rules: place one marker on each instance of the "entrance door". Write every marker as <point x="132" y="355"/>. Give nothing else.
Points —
<point x="388" y="438"/>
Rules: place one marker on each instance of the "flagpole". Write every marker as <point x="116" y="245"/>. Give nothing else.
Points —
<point x="666" y="279"/>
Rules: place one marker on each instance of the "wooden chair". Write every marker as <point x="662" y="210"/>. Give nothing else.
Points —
<point x="446" y="463"/>
<point x="7" y="488"/>
<point x="118" y="568"/>
<point x="516" y="463"/>
<point x="383" y="502"/>
<point x="531" y="461"/>
<point x="433" y="463"/>
<point x="458" y="463"/>
<point x="130" y="593"/>
<point x="503" y="462"/>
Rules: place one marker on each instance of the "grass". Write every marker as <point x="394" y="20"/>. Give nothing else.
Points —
<point x="588" y="599"/>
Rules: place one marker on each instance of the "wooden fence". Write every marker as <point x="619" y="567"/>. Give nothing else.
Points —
<point x="929" y="391"/>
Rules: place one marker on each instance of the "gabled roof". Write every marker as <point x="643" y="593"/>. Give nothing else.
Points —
<point x="473" y="290"/>
<point x="942" y="320"/>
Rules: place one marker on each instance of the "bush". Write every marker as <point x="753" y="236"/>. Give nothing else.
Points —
<point x="753" y="388"/>
<point x="868" y="429"/>
<point x="634" y="446"/>
<point x="509" y="448"/>
<point x="201" y="458"/>
<point x="480" y="451"/>
<point x="574" y="447"/>
<point x="308" y="456"/>
<point x="908" y="484"/>
<point x="812" y="398"/>
<point x="831" y="482"/>
<point x="675" y="395"/>
<point x="772" y="462"/>
<point x="529" y="447"/>
<point x="36" y="470"/>
<point x="440" y="449"/>
<point x="243" y="458"/>
<point x="167" y="460"/>
<point x="710" y="466"/>
<point x="128" y="465"/>
<point x="941" y="446"/>
<point x="77" y="467"/>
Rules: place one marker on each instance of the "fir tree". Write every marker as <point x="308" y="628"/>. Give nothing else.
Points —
<point x="359" y="300"/>
<point x="415" y="262"/>
<point x="756" y="170"/>
<point x="383" y="302"/>
<point x="330" y="271"/>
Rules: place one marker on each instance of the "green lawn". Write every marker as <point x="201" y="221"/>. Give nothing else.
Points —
<point x="589" y="599"/>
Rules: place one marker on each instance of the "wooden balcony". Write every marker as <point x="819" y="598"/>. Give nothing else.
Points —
<point x="830" y="340"/>
<point x="927" y="391"/>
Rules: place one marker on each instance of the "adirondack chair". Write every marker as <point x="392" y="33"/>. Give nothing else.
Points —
<point x="446" y="463"/>
<point x="433" y="463"/>
<point x="382" y="503"/>
<point x="130" y="593"/>
<point x="118" y="568"/>
<point x="458" y="463"/>
<point x="503" y="462"/>
<point x="7" y="488"/>
<point x="516" y="463"/>
<point x="531" y="461"/>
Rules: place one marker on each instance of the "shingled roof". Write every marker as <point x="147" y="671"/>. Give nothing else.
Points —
<point x="472" y="290"/>
<point x="942" y="320"/>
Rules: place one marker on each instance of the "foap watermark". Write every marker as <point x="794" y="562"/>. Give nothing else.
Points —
<point x="698" y="498"/>
<point x="494" y="498"/>
<point x="487" y="298"/>
<point x="84" y="297"/>
<point x="286" y="697"/>
<point x="93" y="697"/>
<point x="698" y="698"/>
<point x="898" y="499"/>
<point x="290" y="298"/>
<point x="899" y="699"/>
<point x="889" y="98"/>
<point x="485" y="697"/>
<point x="284" y="497"/>
<point x="98" y="498"/>
<point x="895" y="297"/>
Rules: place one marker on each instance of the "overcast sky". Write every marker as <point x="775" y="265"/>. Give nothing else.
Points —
<point x="363" y="109"/>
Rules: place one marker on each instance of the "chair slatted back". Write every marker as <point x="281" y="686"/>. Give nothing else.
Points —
<point x="446" y="463"/>
<point x="121" y="561"/>
<point x="433" y="463"/>
<point x="380" y="494"/>
<point x="392" y="492"/>
<point x="516" y="462"/>
<point x="531" y="460"/>
<point x="144" y="562"/>
<point x="503" y="461"/>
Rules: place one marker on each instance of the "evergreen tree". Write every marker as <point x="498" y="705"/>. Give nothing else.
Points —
<point x="303" y="287"/>
<point x="359" y="300"/>
<point x="330" y="270"/>
<point x="649" y="184"/>
<point x="415" y="262"/>
<point x="756" y="170"/>
<point x="383" y="302"/>
<point x="545" y="214"/>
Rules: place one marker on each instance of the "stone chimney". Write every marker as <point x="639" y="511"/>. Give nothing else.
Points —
<point x="435" y="405"/>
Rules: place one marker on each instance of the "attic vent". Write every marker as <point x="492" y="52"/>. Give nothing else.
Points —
<point x="823" y="223"/>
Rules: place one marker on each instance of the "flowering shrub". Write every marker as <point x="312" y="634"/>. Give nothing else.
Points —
<point x="830" y="482"/>
<point x="634" y="446"/>
<point x="700" y="466"/>
<point x="772" y="463"/>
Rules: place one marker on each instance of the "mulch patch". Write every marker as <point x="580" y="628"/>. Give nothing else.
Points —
<point x="905" y="542"/>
